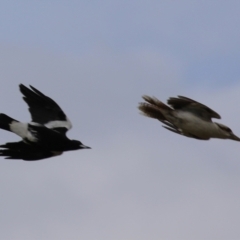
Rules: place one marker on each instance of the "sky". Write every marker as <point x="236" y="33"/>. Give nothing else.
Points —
<point x="139" y="181"/>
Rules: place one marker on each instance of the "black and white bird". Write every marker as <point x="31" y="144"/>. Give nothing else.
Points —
<point x="45" y="136"/>
<point x="186" y="117"/>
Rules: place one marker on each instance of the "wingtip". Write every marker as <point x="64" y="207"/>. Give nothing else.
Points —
<point x="33" y="88"/>
<point x="21" y="86"/>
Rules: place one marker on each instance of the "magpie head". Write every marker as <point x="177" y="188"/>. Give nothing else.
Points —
<point x="78" y="145"/>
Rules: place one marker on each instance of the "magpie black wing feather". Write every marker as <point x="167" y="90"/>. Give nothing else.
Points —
<point x="44" y="110"/>
<point x="24" y="151"/>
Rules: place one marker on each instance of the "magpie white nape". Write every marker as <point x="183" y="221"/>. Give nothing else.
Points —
<point x="45" y="136"/>
<point x="186" y="117"/>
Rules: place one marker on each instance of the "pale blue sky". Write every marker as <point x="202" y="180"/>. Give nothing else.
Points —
<point x="139" y="181"/>
<point x="202" y="35"/>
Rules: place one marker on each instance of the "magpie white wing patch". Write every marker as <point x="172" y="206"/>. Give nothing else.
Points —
<point x="21" y="129"/>
<point x="59" y="124"/>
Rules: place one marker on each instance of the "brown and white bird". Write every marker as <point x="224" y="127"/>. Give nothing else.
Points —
<point x="186" y="117"/>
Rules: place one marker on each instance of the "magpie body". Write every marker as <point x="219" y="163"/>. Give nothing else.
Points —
<point x="45" y="136"/>
<point x="27" y="152"/>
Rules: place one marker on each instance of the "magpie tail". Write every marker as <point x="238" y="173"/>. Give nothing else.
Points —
<point x="5" y="121"/>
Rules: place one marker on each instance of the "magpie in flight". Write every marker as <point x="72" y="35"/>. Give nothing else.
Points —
<point x="45" y="136"/>
<point x="186" y="117"/>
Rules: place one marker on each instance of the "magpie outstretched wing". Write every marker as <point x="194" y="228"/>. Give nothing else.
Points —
<point x="44" y="110"/>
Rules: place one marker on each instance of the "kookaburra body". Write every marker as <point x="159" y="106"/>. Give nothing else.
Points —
<point x="186" y="117"/>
